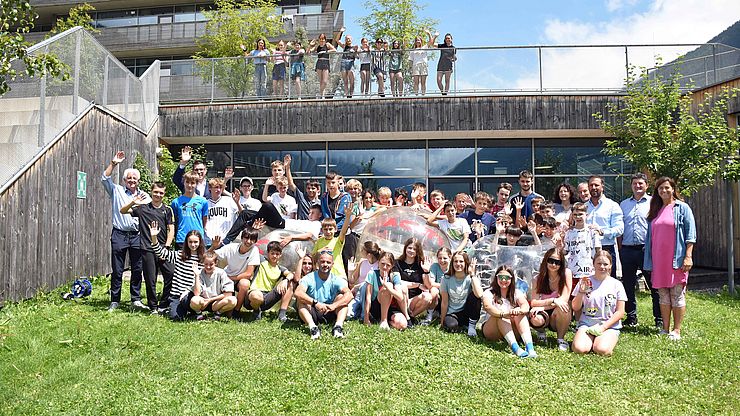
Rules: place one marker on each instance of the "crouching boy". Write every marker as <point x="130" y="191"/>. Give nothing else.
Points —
<point x="213" y="291"/>
<point x="271" y="284"/>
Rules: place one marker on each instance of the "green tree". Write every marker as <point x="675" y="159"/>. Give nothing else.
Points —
<point x="395" y="20"/>
<point x="231" y="24"/>
<point x="655" y="129"/>
<point x="18" y="16"/>
<point x="78" y="16"/>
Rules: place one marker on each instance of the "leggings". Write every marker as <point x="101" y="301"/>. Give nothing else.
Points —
<point x="470" y="312"/>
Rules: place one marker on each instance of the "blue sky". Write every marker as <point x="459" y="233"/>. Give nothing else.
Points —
<point x="570" y="22"/>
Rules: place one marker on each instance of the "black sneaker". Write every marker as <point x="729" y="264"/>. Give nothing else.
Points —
<point x="257" y="315"/>
<point x="630" y="322"/>
<point x="200" y="317"/>
<point x="659" y="323"/>
<point x="338" y="332"/>
<point x="315" y="332"/>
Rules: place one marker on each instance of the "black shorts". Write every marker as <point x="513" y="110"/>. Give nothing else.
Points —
<point x="269" y="299"/>
<point x="378" y="71"/>
<point x="547" y="314"/>
<point x="278" y="72"/>
<point x="414" y="292"/>
<point x="365" y="67"/>
<point x="322" y="63"/>
<point x="375" y="310"/>
<point x="394" y="71"/>
<point x="319" y="318"/>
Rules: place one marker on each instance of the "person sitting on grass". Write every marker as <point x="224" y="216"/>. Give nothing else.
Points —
<point x="507" y="309"/>
<point x="412" y="271"/>
<point x="433" y="281"/>
<point x="241" y="261"/>
<point x="183" y="279"/>
<point x="601" y="299"/>
<point x="323" y="297"/>
<point x="460" y="292"/>
<point x="213" y="291"/>
<point x="357" y="277"/>
<point x="383" y="285"/>
<point x="456" y="229"/>
<point x="550" y="299"/>
<point x="334" y="245"/>
<point x="272" y="283"/>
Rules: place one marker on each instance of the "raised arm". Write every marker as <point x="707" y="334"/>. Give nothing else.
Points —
<point x="432" y="220"/>
<point x="345" y="224"/>
<point x="185" y="156"/>
<point x="286" y="164"/>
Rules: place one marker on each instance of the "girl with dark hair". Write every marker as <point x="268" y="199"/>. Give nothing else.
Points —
<point x="507" y="308"/>
<point x="669" y="246"/>
<point x="394" y="69"/>
<point x="192" y="253"/>
<point x="563" y="200"/>
<point x="549" y="304"/>
<point x="412" y="271"/>
<point x="601" y="300"/>
<point x="365" y="55"/>
<point x="447" y="58"/>
<point x="259" y="59"/>
<point x="460" y="294"/>
<point x="322" y="48"/>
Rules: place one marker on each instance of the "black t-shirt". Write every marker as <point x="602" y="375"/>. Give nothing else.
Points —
<point x="148" y="214"/>
<point x="410" y="272"/>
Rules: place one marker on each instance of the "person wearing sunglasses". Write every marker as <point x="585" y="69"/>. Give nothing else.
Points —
<point x="507" y="310"/>
<point x="550" y="300"/>
<point x="601" y="299"/>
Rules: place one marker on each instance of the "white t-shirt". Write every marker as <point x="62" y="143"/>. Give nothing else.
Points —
<point x="287" y="207"/>
<point x="215" y="284"/>
<point x="418" y="55"/>
<point x="221" y="216"/>
<point x="580" y="248"/>
<point x="252" y="204"/>
<point x="304" y="226"/>
<point x="455" y="232"/>
<point x="601" y="303"/>
<point x="237" y="262"/>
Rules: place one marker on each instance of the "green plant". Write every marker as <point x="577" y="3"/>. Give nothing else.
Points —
<point x="655" y="129"/>
<point x="78" y="16"/>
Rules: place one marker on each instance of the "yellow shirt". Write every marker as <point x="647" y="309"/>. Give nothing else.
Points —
<point x="335" y="246"/>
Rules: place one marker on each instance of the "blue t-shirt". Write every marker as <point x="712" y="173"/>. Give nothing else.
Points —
<point x="436" y="273"/>
<point x="457" y="292"/>
<point x="487" y="219"/>
<point x="189" y="213"/>
<point x="324" y="291"/>
<point x="373" y="281"/>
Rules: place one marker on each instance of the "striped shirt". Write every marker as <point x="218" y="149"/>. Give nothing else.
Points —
<point x="183" y="279"/>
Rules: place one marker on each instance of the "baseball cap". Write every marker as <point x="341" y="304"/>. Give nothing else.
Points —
<point x="246" y="178"/>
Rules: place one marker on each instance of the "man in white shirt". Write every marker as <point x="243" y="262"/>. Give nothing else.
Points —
<point x="606" y="215"/>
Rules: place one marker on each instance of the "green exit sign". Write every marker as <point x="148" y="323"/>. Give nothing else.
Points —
<point x="81" y="185"/>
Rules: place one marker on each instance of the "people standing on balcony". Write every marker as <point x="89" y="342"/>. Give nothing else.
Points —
<point x="379" y="65"/>
<point x="297" y="67"/>
<point x="259" y="59"/>
<point x="280" y="60"/>
<point x="419" y="66"/>
<point x="322" y="48"/>
<point x="394" y="69"/>
<point x="349" y="54"/>
<point x="669" y="246"/>
<point x="365" y="56"/>
<point x="125" y="237"/>
<point x="447" y="57"/>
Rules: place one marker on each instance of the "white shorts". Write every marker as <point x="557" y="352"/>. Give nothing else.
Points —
<point x="420" y="68"/>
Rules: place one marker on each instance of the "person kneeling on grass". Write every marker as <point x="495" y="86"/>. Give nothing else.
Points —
<point x="460" y="292"/>
<point x="507" y="308"/>
<point x="322" y="297"/>
<point x="213" y="290"/>
<point x="601" y="299"/>
<point x="241" y="261"/>
<point x="382" y="286"/>
<point x="271" y="284"/>
<point x="550" y="298"/>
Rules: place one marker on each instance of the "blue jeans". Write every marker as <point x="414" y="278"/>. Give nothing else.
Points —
<point x="260" y="79"/>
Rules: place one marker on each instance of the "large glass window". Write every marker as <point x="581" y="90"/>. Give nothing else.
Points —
<point x="504" y="157"/>
<point x="451" y="157"/>
<point x="254" y="159"/>
<point x="378" y="158"/>
<point x="184" y="14"/>
<point x="452" y="187"/>
<point x="151" y="16"/>
<point x="117" y="18"/>
<point x="581" y="157"/>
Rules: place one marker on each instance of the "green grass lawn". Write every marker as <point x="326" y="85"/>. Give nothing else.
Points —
<point x="67" y="357"/>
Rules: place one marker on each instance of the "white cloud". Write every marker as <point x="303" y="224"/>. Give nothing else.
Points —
<point x="665" y="21"/>
<point x="614" y="5"/>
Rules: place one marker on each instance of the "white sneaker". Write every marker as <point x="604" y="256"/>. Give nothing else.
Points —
<point x="138" y="305"/>
<point x="674" y="336"/>
<point x="563" y="345"/>
<point x="315" y="332"/>
<point x="384" y="325"/>
<point x="472" y="332"/>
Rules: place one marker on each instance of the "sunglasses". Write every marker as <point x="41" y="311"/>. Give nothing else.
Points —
<point x="554" y="262"/>
<point x="504" y="277"/>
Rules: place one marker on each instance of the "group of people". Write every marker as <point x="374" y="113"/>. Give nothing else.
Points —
<point x="587" y="241"/>
<point x="384" y="61"/>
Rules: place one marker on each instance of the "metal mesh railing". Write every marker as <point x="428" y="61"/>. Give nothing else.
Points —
<point x="36" y="110"/>
<point x="478" y="70"/>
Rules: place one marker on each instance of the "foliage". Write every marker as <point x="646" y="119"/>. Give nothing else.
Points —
<point x="78" y="16"/>
<point x="655" y="130"/>
<point x="65" y="357"/>
<point x="167" y="168"/>
<point x="395" y="20"/>
<point x="231" y="24"/>
<point x="18" y="15"/>
<point x="146" y="177"/>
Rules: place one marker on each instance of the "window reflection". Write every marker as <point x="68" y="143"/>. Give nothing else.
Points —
<point x="378" y="158"/>
<point x="504" y="157"/>
<point x="452" y="157"/>
<point x="254" y="159"/>
<point x="574" y="156"/>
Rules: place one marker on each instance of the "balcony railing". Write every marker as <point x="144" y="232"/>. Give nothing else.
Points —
<point x="477" y="70"/>
<point x="35" y="111"/>
<point x="184" y="34"/>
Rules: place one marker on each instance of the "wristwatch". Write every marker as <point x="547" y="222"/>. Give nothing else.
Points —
<point x="314" y="303"/>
